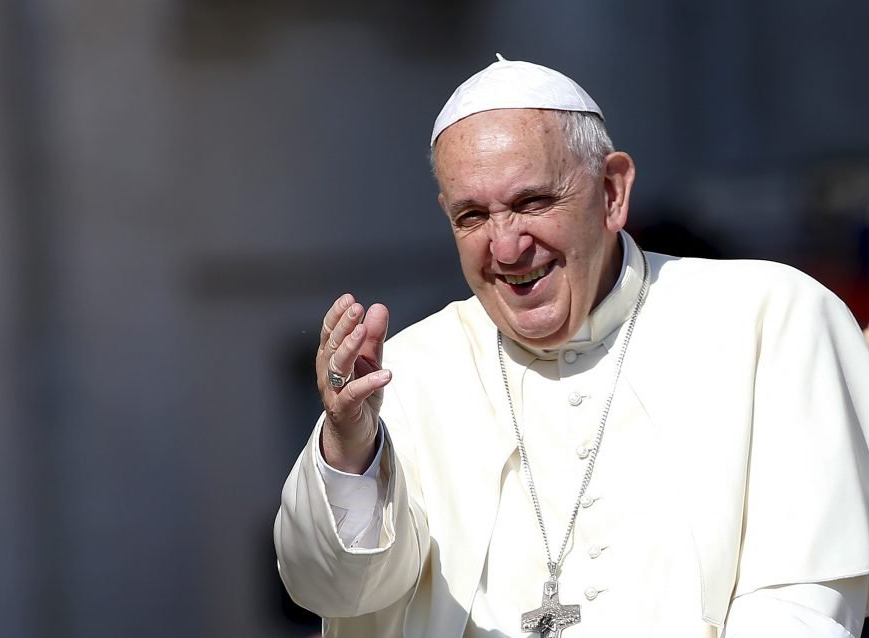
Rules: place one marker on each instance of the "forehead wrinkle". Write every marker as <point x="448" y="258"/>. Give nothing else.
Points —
<point x="532" y="191"/>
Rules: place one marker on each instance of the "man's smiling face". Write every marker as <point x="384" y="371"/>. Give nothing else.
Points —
<point x="531" y="224"/>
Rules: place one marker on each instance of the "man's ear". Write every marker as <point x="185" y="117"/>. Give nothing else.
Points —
<point x="618" y="179"/>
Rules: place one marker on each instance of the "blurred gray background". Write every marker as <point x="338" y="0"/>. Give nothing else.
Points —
<point x="186" y="185"/>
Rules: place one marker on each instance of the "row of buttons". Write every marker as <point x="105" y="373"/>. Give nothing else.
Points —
<point x="591" y="593"/>
<point x="582" y="451"/>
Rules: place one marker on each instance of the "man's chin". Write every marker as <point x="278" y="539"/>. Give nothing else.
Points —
<point x="541" y="327"/>
<point x="538" y="336"/>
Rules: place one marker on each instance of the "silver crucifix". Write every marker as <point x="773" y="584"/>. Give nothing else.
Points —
<point x="551" y="617"/>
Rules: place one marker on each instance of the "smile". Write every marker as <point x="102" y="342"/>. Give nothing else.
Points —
<point x="527" y="278"/>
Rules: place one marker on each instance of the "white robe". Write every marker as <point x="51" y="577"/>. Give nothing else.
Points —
<point x="734" y="460"/>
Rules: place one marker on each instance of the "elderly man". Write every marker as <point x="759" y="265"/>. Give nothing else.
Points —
<point x="601" y="441"/>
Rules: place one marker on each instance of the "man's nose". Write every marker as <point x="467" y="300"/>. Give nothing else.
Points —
<point x="508" y="241"/>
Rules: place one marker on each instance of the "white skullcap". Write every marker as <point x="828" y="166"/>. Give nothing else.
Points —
<point x="508" y="84"/>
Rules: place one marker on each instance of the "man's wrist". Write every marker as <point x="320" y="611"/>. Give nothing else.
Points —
<point x="352" y="455"/>
<point x="369" y="469"/>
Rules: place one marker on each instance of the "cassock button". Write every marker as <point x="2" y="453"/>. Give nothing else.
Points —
<point x="591" y="593"/>
<point x="575" y="398"/>
<point x="582" y="452"/>
<point x="586" y="501"/>
<point x="594" y="551"/>
<point x="570" y="356"/>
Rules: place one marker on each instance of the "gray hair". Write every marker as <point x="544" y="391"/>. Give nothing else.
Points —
<point x="584" y="134"/>
<point x="586" y="138"/>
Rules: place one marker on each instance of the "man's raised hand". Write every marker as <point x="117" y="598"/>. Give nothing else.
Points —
<point x="351" y="381"/>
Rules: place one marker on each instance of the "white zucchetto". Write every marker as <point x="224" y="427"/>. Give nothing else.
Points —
<point x="512" y="84"/>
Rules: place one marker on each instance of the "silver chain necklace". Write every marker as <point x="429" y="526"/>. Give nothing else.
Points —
<point x="552" y="617"/>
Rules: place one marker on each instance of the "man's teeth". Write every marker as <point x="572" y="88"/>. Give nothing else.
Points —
<point x="524" y="279"/>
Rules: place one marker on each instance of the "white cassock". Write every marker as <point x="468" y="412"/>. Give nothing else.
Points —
<point x="733" y="474"/>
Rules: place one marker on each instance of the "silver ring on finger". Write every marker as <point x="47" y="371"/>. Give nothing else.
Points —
<point x="336" y="380"/>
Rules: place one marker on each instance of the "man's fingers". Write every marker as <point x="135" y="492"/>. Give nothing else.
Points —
<point x="376" y="324"/>
<point x="349" y="320"/>
<point x="333" y="316"/>
<point x="342" y="360"/>
<point x="357" y="391"/>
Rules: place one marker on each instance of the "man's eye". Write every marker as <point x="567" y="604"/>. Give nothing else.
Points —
<point x="535" y="203"/>
<point x="470" y="218"/>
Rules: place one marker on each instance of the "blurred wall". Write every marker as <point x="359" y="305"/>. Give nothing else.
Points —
<point x="185" y="185"/>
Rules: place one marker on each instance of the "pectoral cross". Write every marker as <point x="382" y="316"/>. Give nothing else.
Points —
<point x="551" y="617"/>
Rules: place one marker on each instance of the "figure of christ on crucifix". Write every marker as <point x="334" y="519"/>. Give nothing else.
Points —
<point x="551" y="617"/>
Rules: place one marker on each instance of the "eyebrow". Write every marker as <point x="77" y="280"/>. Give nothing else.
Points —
<point x="462" y="204"/>
<point x="529" y="191"/>
<point x="534" y="191"/>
